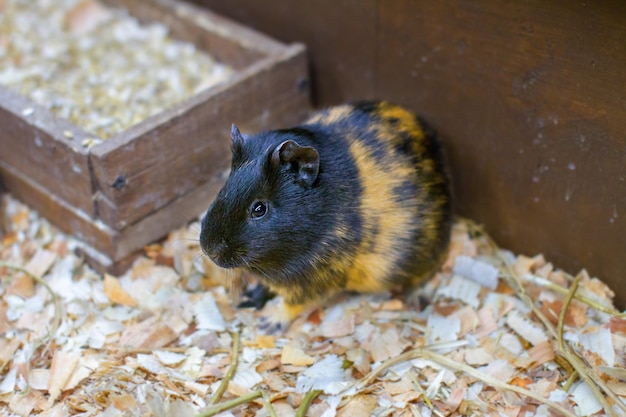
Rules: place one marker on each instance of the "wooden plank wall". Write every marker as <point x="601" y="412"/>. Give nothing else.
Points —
<point x="530" y="98"/>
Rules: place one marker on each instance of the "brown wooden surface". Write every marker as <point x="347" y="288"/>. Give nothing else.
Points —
<point x="530" y="98"/>
<point x="65" y="216"/>
<point x="36" y="146"/>
<point x="169" y="155"/>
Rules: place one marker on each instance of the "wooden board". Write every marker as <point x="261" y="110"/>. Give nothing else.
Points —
<point x="33" y="141"/>
<point x="135" y="187"/>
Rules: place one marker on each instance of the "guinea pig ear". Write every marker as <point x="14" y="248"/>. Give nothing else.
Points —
<point x="236" y="138"/>
<point x="303" y="159"/>
<point x="236" y="141"/>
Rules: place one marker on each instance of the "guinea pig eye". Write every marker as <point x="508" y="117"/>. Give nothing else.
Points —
<point x="258" y="209"/>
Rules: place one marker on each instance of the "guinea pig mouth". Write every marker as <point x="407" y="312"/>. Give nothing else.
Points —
<point x="226" y="262"/>
<point x="223" y="260"/>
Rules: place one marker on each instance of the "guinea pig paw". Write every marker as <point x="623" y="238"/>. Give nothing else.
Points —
<point x="270" y="325"/>
<point x="275" y="318"/>
<point x="416" y="299"/>
<point x="256" y="297"/>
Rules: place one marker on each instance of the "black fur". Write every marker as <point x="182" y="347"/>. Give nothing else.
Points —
<point x="300" y="222"/>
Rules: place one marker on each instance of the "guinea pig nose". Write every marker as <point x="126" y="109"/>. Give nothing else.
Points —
<point x="216" y="251"/>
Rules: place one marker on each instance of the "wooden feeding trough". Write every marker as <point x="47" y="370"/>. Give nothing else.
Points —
<point x="125" y="192"/>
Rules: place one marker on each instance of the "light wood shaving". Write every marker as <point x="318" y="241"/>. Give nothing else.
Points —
<point x="97" y="67"/>
<point x="169" y="352"/>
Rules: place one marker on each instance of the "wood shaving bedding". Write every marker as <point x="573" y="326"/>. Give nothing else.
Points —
<point x="159" y="339"/>
<point x="96" y="66"/>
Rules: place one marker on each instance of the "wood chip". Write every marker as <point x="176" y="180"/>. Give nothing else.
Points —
<point x="499" y="369"/>
<point x="268" y="365"/>
<point x="284" y="409"/>
<point x="361" y="360"/>
<point x="116" y="293"/>
<point x="541" y="353"/>
<point x="457" y="394"/>
<point x="337" y="323"/>
<point x="39" y="379"/>
<point x="582" y="396"/>
<point x="387" y="345"/>
<point x="295" y="356"/>
<point x="442" y="329"/>
<point x="22" y="286"/>
<point x="617" y="325"/>
<point x="265" y="341"/>
<point x="599" y="343"/>
<point x="361" y="405"/>
<point x="476" y="270"/>
<point x="41" y="262"/>
<point x="23" y="405"/>
<point x="326" y="375"/>
<point x="276" y="382"/>
<point x="399" y="387"/>
<point x="523" y="327"/>
<point x="478" y="356"/>
<point x="63" y="366"/>
<point x="58" y="410"/>
<point x="150" y="333"/>
<point x="208" y="315"/>
<point x="468" y="319"/>
<point x="86" y="16"/>
<point x="487" y="322"/>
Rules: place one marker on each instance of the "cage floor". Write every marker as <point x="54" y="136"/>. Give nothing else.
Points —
<point x="495" y="334"/>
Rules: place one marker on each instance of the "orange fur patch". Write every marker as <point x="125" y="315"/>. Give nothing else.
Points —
<point x="385" y="223"/>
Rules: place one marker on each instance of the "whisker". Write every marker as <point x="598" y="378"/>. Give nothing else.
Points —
<point x="259" y="271"/>
<point x="197" y="256"/>
<point x="195" y="229"/>
<point x="245" y="279"/>
<point x="185" y="239"/>
<point x="187" y="252"/>
<point x="233" y="286"/>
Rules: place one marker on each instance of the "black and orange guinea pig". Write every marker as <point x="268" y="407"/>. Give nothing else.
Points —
<point x="356" y="198"/>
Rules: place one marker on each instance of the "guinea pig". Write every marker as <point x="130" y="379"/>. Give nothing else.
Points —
<point x="356" y="198"/>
